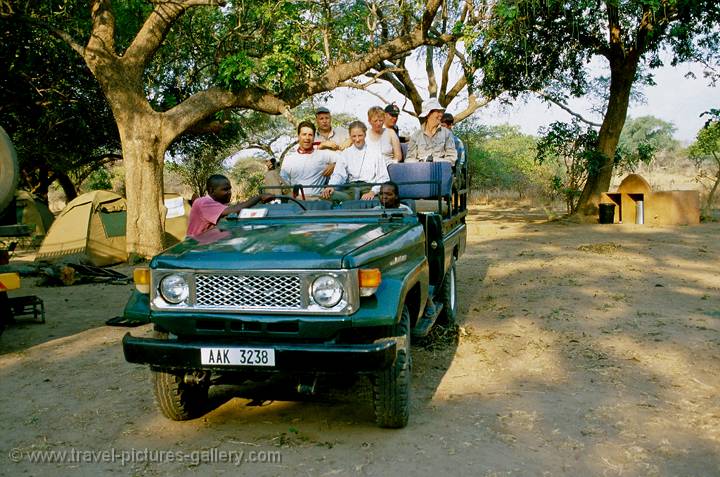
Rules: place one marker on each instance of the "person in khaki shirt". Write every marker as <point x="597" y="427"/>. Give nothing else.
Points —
<point x="432" y="142"/>
<point x="326" y="136"/>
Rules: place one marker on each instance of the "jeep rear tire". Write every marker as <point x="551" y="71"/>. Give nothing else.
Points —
<point x="391" y="386"/>
<point x="448" y="298"/>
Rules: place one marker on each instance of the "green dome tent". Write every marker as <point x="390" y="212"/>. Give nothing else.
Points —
<point x="31" y="211"/>
<point x="91" y="230"/>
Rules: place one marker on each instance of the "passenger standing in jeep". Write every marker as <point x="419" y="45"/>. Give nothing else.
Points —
<point x="356" y="166"/>
<point x="432" y="142"/>
<point x="307" y="165"/>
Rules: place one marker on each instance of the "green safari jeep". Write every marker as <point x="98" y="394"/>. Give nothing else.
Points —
<point x="304" y="288"/>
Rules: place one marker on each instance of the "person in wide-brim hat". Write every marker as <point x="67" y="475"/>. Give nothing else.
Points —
<point x="430" y="105"/>
<point x="431" y="142"/>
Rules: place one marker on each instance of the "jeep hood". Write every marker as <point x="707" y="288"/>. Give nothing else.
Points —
<point x="290" y="245"/>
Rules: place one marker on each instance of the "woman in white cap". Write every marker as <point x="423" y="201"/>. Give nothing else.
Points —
<point x="431" y="142"/>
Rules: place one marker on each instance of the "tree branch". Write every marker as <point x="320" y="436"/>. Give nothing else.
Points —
<point x="102" y="38"/>
<point x="374" y="78"/>
<point x="564" y="107"/>
<point x="203" y="104"/>
<point x="430" y="71"/>
<point x="445" y="73"/>
<point x="393" y="78"/>
<point x="344" y="71"/>
<point x="472" y="106"/>
<point x="349" y="84"/>
<point x="62" y="35"/>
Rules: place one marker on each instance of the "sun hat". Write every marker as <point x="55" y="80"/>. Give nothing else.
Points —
<point x="430" y="105"/>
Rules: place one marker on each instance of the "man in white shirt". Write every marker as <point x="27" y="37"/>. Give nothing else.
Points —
<point x="307" y="165"/>
<point x="327" y="137"/>
<point x="356" y="165"/>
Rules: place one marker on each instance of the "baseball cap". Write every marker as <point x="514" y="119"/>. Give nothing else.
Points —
<point x="448" y="118"/>
<point x="322" y="109"/>
<point x="392" y="110"/>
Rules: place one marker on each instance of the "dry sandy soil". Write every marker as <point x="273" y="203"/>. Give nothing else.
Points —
<point x="583" y="350"/>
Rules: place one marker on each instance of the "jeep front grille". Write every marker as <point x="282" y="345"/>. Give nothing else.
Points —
<point x="282" y="292"/>
<point x="255" y="292"/>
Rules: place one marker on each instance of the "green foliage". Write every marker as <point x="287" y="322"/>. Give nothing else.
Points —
<point x="713" y="115"/>
<point x="642" y="138"/>
<point x="194" y="168"/>
<point x="99" y="179"/>
<point x="248" y="174"/>
<point x="705" y="153"/>
<point x="501" y="158"/>
<point x="572" y="152"/>
<point x="532" y="45"/>
<point x="271" y="45"/>
<point x="648" y="130"/>
<point x="707" y="142"/>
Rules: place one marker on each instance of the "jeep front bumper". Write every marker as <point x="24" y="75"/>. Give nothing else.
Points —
<point x="171" y="354"/>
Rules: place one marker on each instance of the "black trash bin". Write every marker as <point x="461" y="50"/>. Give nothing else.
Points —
<point x="607" y="213"/>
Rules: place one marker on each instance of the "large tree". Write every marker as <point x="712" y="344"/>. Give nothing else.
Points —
<point x="546" y="45"/>
<point x="266" y="55"/>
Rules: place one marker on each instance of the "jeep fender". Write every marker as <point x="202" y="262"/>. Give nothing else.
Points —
<point x="406" y="283"/>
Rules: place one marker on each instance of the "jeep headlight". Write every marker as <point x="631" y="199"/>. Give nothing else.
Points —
<point x="174" y="289"/>
<point x="327" y="291"/>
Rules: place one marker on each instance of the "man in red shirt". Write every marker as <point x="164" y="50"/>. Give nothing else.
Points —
<point x="207" y="210"/>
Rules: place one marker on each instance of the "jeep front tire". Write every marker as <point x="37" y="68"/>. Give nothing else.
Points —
<point x="391" y="386"/>
<point x="176" y="399"/>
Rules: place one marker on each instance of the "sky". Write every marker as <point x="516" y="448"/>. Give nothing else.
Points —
<point x="674" y="98"/>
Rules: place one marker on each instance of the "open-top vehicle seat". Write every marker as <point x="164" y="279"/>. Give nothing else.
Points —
<point x="429" y="183"/>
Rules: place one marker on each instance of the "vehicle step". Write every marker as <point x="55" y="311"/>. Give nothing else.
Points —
<point x="425" y="324"/>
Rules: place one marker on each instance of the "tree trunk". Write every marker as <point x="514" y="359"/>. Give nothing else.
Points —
<point x="67" y="185"/>
<point x="622" y="76"/>
<point x="143" y="153"/>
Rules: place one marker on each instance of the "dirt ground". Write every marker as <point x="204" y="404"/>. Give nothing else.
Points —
<point x="583" y="350"/>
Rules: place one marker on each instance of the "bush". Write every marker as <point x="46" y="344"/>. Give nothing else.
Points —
<point x="248" y="175"/>
<point x="99" y="179"/>
<point x="501" y="159"/>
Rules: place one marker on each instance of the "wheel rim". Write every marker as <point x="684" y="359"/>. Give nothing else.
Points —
<point x="453" y="296"/>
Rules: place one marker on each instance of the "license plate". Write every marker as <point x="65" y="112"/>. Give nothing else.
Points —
<point x="238" y="356"/>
